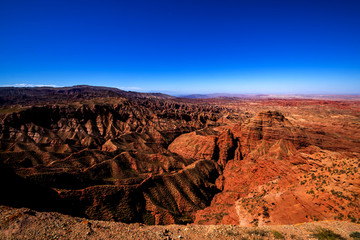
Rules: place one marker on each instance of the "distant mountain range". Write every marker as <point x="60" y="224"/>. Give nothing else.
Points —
<point x="282" y="96"/>
<point x="31" y="95"/>
<point x="40" y="95"/>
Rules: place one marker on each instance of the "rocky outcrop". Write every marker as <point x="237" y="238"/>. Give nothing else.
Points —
<point x="196" y="145"/>
<point x="267" y="127"/>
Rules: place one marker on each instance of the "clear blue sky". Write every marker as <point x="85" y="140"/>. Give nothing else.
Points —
<point x="183" y="46"/>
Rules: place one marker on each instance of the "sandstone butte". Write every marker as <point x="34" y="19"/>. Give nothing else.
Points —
<point x="106" y="154"/>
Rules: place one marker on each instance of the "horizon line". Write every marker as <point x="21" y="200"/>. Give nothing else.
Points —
<point x="178" y="94"/>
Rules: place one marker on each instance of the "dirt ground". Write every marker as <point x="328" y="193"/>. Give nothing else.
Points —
<point x="23" y="223"/>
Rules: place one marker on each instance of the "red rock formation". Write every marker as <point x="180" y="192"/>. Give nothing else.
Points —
<point x="265" y="186"/>
<point x="195" y="145"/>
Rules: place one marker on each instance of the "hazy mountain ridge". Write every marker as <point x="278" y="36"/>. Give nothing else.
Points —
<point x="45" y="95"/>
<point x="275" y="96"/>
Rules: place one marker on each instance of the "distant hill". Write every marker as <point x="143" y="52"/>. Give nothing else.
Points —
<point x="278" y="96"/>
<point x="31" y="95"/>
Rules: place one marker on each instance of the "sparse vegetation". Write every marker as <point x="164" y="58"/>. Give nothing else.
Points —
<point x="266" y="212"/>
<point x="258" y="232"/>
<point x="232" y="233"/>
<point x="355" y="235"/>
<point x="327" y="234"/>
<point x="277" y="235"/>
<point x="311" y="191"/>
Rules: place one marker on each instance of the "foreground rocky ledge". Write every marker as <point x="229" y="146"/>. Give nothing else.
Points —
<point x="23" y="223"/>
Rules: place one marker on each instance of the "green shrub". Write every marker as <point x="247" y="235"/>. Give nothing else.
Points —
<point x="355" y="235"/>
<point x="326" y="234"/>
<point x="258" y="232"/>
<point x="277" y="235"/>
<point x="232" y="233"/>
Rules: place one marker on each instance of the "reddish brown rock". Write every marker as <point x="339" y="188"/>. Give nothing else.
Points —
<point x="195" y="145"/>
<point x="277" y="182"/>
<point x="131" y="157"/>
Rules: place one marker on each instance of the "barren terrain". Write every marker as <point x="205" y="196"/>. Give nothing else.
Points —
<point x="105" y="154"/>
<point x="28" y="224"/>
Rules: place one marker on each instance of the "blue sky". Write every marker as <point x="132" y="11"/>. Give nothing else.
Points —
<point x="182" y="46"/>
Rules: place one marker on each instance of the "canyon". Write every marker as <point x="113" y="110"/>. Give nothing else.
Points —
<point x="107" y="154"/>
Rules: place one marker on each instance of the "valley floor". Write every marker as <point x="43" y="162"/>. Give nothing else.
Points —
<point x="23" y="223"/>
